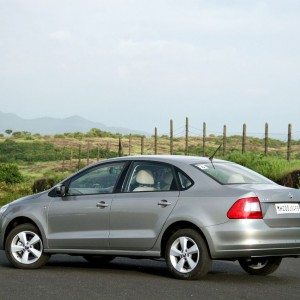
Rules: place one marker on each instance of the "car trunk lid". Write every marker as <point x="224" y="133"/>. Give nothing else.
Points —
<point x="280" y="205"/>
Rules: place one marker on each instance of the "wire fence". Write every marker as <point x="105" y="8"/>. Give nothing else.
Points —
<point x="190" y="140"/>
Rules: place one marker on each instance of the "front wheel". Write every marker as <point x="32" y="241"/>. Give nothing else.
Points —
<point x="187" y="255"/>
<point x="260" y="266"/>
<point x="24" y="247"/>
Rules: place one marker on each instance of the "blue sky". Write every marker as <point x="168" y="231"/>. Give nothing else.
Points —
<point x="138" y="63"/>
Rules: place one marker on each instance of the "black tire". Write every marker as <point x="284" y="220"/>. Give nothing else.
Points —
<point x="260" y="266"/>
<point x="99" y="259"/>
<point x="36" y="262"/>
<point x="201" y="259"/>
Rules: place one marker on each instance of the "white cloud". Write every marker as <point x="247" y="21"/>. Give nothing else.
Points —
<point x="155" y="48"/>
<point x="123" y="51"/>
<point x="60" y="35"/>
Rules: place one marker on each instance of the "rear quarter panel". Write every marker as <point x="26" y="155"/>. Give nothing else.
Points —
<point x="205" y="204"/>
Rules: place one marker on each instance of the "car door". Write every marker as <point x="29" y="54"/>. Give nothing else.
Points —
<point x="80" y="220"/>
<point x="139" y="212"/>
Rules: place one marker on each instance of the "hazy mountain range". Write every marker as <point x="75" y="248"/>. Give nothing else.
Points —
<point x="48" y="125"/>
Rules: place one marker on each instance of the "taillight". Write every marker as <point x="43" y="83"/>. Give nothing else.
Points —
<point x="245" y="208"/>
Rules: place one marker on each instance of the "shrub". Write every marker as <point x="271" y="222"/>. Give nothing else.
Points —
<point x="61" y="136"/>
<point x="11" y="192"/>
<point x="9" y="173"/>
<point x="42" y="184"/>
<point x="45" y="183"/>
<point x="272" y="167"/>
<point x="95" y="132"/>
<point x="292" y="179"/>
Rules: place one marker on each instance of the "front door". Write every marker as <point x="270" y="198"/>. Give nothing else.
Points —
<point x="80" y="220"/>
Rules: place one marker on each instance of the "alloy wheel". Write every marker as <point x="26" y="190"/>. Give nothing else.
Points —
<point x="184" y="254"/>
<point x="26" y="247"/>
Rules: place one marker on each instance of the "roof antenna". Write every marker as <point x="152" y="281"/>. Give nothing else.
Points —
<point x="213" y="155"/>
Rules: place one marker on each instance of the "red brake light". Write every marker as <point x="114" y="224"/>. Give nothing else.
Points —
<point x="245" y="208"/>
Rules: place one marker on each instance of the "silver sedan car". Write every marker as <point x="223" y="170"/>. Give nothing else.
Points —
<point x="187" y="210"/>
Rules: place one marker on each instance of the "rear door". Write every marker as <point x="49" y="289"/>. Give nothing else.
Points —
<point x="139" y="212"/>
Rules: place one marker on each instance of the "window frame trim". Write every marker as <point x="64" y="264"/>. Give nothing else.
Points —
<point x="177" y="170"/>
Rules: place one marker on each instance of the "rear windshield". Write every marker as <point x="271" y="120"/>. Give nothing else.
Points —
<point x="231" y="173"/>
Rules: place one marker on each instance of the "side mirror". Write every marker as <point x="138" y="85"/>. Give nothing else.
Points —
<point x="61" y="190"/>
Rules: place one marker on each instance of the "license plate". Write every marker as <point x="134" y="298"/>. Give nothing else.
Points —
<point x="287" y="208"/>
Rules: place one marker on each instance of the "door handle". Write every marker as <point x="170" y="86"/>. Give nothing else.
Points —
<point x="102" y="204"/>
<point x="164" y="203"/>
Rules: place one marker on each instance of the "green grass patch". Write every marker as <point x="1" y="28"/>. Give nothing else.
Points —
<point x="39" y="151"/>
<point x="274" y="168"/>
<point x="11" y="192"/>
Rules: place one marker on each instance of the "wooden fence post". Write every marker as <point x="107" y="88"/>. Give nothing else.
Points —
<point x="120" y="148"/>
<point x="244" y="138"/>
<point x="266" y="138"/>
<point x="289" y="143"/>
<point x="79" y="157"/>
<point x="155" y="140"/>
<point x="142" y="144"/>
<point x="71" y="157"/>
<point x="171" y="137"/>
<point x="107" y="146"/>
<point x="224" y="139"/>
<point x="129" y="144"/>
<point x="88" y="154"/>
<point x="186" y="136"/>
<point x="63" y="162"/>
<point x="98" y="152"/>
<point x="204" y="138"/>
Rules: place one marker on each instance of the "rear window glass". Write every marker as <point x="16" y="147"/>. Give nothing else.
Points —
<point x="231" y="173"/>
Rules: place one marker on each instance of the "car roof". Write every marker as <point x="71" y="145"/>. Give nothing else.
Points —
<point x="167" y="158"/>
<point x="177" y="160"/>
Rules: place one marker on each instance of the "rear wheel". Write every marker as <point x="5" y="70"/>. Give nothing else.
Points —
<point x="99" y="259"/>
<point x="187" y="255"/>
<point x="260" y="266"/>
<point x="24" y="247"/>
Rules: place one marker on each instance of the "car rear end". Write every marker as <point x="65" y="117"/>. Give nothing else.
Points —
<point x="272" y="228"/>
<point x="263" y="220"/>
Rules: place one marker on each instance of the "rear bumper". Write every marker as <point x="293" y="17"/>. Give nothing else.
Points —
<point x="247" y="238"/>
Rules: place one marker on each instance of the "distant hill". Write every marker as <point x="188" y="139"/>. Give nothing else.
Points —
<point x="49" y="125"/>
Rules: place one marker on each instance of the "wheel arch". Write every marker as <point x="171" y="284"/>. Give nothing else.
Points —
<point x="19" y="221"/>
<point x="180" y="225"/>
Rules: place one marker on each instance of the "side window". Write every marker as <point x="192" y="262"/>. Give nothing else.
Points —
<point x="99" y="180"/>
<point x="184" y="181"/>
<point x="148" y="176"/>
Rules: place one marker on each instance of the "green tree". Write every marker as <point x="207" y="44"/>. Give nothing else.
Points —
<point x="9" y="173"/>
<point x="8" y="131"/>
